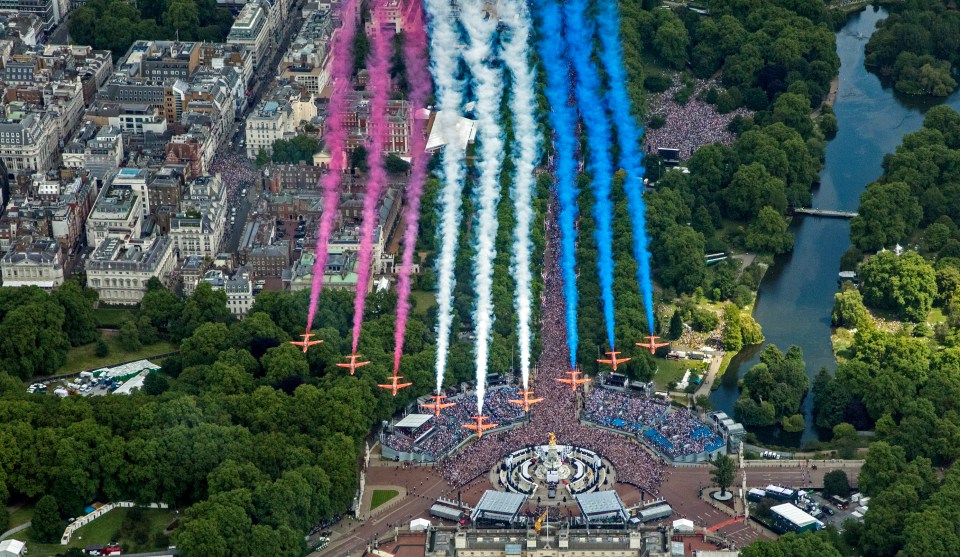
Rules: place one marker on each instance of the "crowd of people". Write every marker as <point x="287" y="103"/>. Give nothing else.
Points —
<point x="236" y="171"/>
<point x="689" y="126"/>
<point x="448" y="430"/>
<point x="672" y="431"/>
<point x="558" y="413"/>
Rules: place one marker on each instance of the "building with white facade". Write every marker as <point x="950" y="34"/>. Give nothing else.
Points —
<point x="117" y="213"/>
<point x="28" y="141"/>
<point x="198" y="228"/>
<point x="33" y="262"/>
<point x="239" y="291"/>
<point x="277" y="117"/>
<point x="120" y="269"/>
<point x="252" y="29"/>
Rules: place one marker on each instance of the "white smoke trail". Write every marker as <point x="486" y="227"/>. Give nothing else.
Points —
<point x="487" y="83"/>
<point x="526" y="137"/>
<point x="444" y="48"/>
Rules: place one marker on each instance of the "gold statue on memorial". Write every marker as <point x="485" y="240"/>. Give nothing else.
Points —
<point x="553" y="439"/>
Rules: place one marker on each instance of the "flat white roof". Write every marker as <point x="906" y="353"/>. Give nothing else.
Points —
<point x="14" y="547"/>
<point x="466" y="133"/>
<point x="413" y="421"/>
<point x="793" y="514"/>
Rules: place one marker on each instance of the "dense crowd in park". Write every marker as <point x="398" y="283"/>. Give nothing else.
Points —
<point x="448" y="430"/>
<point x="690" y="125"/>
<point x="674" y="432"/>
<point x="558" y="413"/>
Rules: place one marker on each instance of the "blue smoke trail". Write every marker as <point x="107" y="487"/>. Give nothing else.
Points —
<point x="552" y="48"/>
<point x="579" y="34"/>
<point x="628" y="138"/>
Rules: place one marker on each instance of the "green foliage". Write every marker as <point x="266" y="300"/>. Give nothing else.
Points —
<point x="703" y="320"/>
<point x="906" y="284"/>
<point x="768" y="233"/>
<point x="917" y="49"/>
<point x="828" y="124"/>
<point x="396" y="165"/>
<point x="115" y="24"/>
<point x="358" y="159"/>
<point x="676" y="326"/>
<point x="263" y="158"/>
<point x="849" y="311"/>
<point x="793" y="424"/>
<point x="656" y="83"/>
<point x="888" y="213"/>
<point x="46" y="523"/>
<point x="791" y="545"/>
<point x="130" y="337"/>
<point x="103" y="349"/>
<point x="773" y="389"/>
<point x="732" y="336"/>
<point x="836" y="482"/>
<point x="722" y="472"/>
<point x="294" y="150"/>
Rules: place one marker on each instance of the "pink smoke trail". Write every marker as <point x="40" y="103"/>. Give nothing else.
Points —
<point x="334" y="137"/>
<point x="418" y="76"/>
<point x="379" y="81"/>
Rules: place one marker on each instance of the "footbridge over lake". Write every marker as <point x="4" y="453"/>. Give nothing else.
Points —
<point x="824" y="213"/>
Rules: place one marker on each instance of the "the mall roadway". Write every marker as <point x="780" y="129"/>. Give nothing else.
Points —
<point x="681" y="488"/>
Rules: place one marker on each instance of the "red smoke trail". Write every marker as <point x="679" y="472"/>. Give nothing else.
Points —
<point x="379" y="81"/>
<point x="334" y="137"/>
<point x="418" y="76"/>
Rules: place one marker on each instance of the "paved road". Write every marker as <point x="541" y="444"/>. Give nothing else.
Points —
<point x="14" y="530"/>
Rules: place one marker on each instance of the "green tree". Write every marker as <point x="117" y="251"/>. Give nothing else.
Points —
<point x="732" y="328"/>
<point x="836" y="482"/>
<point x="791" y="545"/>
<point x="46" y="523"/>
<point x="671" y="40"/>
<point x="722" y="473"/>
<point x="676" y="325"/>
<point x="263" y="158"/>
<point x="768" y="233"/>
<point x="680" y="259"/>
<point x="103" y="349"/>
<point x="849" y="311"/>
<point x="752" y="188"/>
<point x="79" y="323"/>
<point x="906" y="284"/>
<point x="129" y="336"/>
<point x="888" y="213"/>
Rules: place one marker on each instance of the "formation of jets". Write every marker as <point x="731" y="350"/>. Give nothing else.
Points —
<point x="573" y="381"/>
<point x="437" y="405"/>
<point x="394" y="384"/>
<point x="482" y="424"/>
<point x="526" y="401"/>
<point x="306" y="342"/>
<point x="352" y="364"/>
<point x="613" y="360"/>
<point x="652" y="344"/>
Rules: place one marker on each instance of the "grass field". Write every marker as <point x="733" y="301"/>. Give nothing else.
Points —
<point x="422" y="301"/>
<point x="103" y="531"/>
<point x="21" y="515"/>
<point x="84" y="357"/>
<point x="669" y="371"/>
<point x="381" y="496"/>
<point x="112" y="318"/>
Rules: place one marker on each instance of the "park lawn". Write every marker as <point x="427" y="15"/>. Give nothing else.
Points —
<point x="112" y="318"/>
<point x="724" y="364"/>
<point x="21" y="516"/>
<point x="842" y="341"/>
<point x="669" y="371"/>
<point x="103" y="531"/>
<point x="422" y="301"/>
<point x="936" y="316"/>
<point x="81" y="358"/>
<point x="381" y="496"/>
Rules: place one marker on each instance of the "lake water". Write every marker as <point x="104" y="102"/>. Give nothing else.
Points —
<point x="796" y="296"/>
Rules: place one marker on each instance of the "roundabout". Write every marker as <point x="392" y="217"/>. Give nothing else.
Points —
<point x="553" y="472"/>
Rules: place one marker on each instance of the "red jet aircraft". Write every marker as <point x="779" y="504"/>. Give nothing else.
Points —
<point x="353" y="364"/>
<point x="482" y="425"/>
<point x="306" y="342"/>
<point x="613" y="360"/>
<point x="437" y="405"/>
<point x="526" y="401"/>
<point x="394" y="385"/>
<point x="573" y="381"/>
<point x="653" y="344"/>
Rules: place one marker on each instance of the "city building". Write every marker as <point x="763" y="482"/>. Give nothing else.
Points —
<point x="269" y="261"/>
<point x="28" y="141"/>
<point x="33" y="262"/>
<point x="239" y="291"/>
<point x="277" y="117"/>
<point x="199" y="227"/>
<point x="307" y="59"/>
<point x="49" y="12"/>
<point x="120" y="269"/>
<point x="356" y="122"/>
<point x="98" y="149"/>
<point x="51" y="207"/>
<point x="252" y="29"/>
<point x="117" y="213"/>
